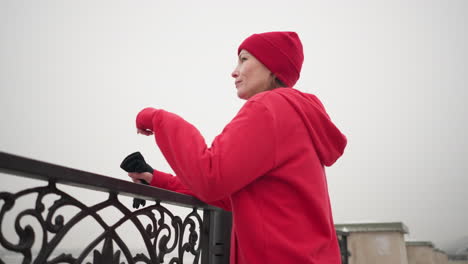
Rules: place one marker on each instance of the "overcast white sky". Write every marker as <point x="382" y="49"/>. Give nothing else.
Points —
<point x="392" y="75"/>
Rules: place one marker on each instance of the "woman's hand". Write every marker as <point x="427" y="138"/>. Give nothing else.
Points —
<point x="136" y="177"/>
<point x="144" y="120"/>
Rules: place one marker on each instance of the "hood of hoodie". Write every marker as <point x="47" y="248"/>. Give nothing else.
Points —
<point x="328" y="140"/>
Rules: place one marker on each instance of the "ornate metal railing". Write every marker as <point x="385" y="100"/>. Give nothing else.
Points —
<point x="167" y="237"/>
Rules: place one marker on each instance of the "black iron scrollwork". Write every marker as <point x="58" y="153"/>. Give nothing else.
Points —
<point x="166" y="234"/>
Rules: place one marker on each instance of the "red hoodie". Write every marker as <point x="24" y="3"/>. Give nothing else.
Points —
<point x="267" y="166"/>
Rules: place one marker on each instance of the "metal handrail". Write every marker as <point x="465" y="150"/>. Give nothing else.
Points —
<point x="26" y="167"/>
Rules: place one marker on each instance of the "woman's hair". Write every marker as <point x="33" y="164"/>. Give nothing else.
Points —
<point x="276" y="83"/>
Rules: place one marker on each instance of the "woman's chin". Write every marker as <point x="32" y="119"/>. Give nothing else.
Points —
<point x="241" y="95"/>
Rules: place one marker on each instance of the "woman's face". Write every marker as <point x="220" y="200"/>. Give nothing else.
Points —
<point x="251" y="76"/>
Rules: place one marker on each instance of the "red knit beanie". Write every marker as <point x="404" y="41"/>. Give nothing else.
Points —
<point x="280" y="52"/>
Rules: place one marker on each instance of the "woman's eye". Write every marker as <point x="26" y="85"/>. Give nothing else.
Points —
<point x="243" y="58"/>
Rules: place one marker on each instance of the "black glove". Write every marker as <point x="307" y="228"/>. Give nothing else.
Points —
<point x="136" y="163"/>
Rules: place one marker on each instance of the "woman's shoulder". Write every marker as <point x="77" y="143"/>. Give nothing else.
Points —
<point x="271" y="95"/>
<point x="277" y="97"/>
<point x="273" y="101"/>
<point x="284" y="99"/>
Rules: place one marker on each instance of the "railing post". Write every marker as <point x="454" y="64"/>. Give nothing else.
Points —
<point x="343" y="241"/>
<point x="216" y="236"/>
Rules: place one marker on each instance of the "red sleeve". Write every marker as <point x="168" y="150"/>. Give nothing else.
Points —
<point x="244" y="151"/>
<point x="172" y="183"/>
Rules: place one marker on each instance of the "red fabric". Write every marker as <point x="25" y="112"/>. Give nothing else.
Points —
<point x="169" y="182"/>
<point x="267" y="166"/>
<point x="280" y="52"/>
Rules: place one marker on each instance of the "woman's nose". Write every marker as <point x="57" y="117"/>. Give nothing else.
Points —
<point x="235" y="73"/>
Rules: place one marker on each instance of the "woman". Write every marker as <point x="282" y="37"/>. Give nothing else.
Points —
<point x="267" y="165"/>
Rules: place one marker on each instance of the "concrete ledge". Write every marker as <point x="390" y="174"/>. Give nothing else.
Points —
<point x="419" y="244"/>
<point x="373" y="227"/>
<point x="440" y="250"/>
